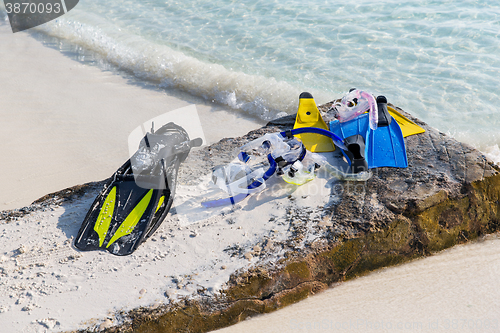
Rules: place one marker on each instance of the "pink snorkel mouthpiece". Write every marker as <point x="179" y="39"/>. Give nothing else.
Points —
<point x="353" y="104"/>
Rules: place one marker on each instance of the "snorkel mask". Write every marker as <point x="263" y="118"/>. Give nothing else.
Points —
<point x="286" y="156"/>
<point x="354" y="103"/>
<point x="239" y="179"/>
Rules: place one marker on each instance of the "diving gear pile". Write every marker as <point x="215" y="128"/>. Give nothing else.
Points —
<point x="368" y="133"/>
<point x="137" y="198"/>
<point x="287" y="157"/>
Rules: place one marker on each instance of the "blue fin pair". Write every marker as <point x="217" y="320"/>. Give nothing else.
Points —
<point x="383" y="147"/>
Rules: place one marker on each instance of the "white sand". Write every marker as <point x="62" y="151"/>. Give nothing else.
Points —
<point x="63" y="123"/>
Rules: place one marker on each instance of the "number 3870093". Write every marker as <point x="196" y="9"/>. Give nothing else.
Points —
<point x="33" y="8"/>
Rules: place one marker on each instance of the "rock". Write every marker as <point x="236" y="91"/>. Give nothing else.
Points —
<point x="398" y="215"/>
<point x="269" y="245"/>
<point x="27" y="308"/>
<point x="170" y="293"/>
<point x="448" y="195"/>
<point x="107" y="323"/>
<point x="49" y="323"/>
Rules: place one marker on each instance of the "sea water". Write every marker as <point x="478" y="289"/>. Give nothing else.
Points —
<point x="437" y="59"/>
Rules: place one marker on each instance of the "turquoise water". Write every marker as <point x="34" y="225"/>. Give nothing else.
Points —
<point x="439" y="60"/>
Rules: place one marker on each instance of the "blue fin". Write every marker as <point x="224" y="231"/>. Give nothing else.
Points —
<point x="384" y="147"/>
<point x="358" y="125"/>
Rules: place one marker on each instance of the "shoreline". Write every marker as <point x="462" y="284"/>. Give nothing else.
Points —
<point x="71" y="121"/>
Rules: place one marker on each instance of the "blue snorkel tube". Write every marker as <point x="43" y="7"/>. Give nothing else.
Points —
<point x="274" y="165"/>
<point x="314" y="130"/>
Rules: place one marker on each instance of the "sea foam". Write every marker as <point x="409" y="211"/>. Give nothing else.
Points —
<point x="257" y="95"/>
